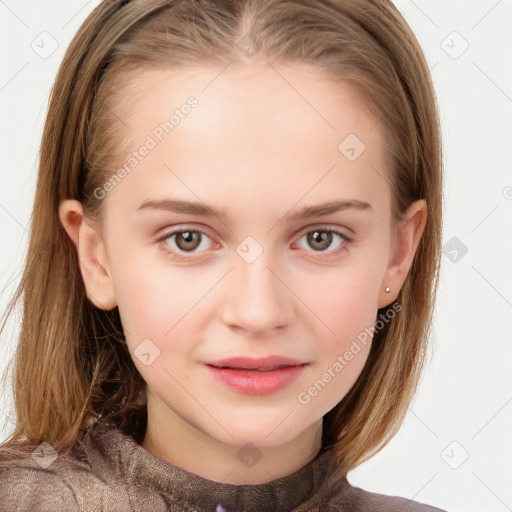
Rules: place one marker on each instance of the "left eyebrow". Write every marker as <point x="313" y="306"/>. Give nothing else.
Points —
<point x="331" y="207"/>
<point x="204" y="210"/>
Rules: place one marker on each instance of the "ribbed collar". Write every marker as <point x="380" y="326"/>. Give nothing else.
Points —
<point x="111" y="451"/>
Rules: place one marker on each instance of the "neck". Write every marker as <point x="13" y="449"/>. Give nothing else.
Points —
<point x="189" y="448"/>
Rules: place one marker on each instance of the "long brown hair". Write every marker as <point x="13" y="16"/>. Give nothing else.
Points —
<point x="72" y="367"/>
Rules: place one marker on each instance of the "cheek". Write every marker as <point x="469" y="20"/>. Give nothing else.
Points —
<point x="160" y="313"/>
<point x="348" y="310"/>
<point x="157" y="301"/>
<point x="344" y="302"/>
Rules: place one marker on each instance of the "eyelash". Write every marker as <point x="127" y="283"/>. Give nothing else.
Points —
<point x="346" y="241"/>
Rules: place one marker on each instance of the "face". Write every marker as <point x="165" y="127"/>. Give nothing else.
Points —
<point x="217" y="248"/>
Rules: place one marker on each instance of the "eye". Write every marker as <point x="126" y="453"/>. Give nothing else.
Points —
<point x="190" y="241"/>
<point x="185" y="241"/>
<point x="321" y="239"/>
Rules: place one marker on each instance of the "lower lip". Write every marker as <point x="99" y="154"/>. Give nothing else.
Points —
<point x="254" y="382"/>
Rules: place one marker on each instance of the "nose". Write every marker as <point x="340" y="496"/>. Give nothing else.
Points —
<point x="256" y="298"/>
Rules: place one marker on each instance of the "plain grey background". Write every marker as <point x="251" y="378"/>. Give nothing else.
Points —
<point x="454" y="448"/>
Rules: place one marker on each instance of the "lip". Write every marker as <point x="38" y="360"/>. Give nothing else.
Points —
<point x="251" y="363"/>
<point x="256" y="376"/>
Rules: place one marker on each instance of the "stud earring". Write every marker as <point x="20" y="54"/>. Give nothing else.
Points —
<point x="387" y="289"/>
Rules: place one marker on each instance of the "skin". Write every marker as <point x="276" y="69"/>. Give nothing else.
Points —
<point x="254" y="147"/>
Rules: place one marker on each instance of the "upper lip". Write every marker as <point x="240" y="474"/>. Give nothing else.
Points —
<point x="250" y="363"/>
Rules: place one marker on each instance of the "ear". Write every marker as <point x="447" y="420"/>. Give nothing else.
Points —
<point x="407" y="237"/>
<point x="91" y="255"/>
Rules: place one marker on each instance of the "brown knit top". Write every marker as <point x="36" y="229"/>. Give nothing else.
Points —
<point x="110" y="471"/>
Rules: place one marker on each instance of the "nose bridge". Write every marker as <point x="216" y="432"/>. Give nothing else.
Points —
<point x="256" y="299"/>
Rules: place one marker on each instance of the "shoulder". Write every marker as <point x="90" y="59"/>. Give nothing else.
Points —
<point x="355" y="499"/>
<point x="31" y="488"/>
<point x="38" y="478"/>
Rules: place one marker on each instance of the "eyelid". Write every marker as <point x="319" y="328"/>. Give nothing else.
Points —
<point x="180" y="228"/>
<point x="326" y="227"/>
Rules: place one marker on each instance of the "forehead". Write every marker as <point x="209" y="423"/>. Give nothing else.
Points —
<point x="280" y="132"/>
<point x="262" y="94"/>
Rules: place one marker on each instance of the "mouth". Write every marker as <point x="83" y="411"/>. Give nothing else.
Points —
<point x="266" y="369"/>
<point x="256" y="376"/>
<point x="262" y="364"/>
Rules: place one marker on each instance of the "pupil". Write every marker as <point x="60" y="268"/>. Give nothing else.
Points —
<point x="321" y="236"/>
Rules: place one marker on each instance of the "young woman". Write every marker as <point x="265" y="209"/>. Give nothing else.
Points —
<point x="233" y="259"/>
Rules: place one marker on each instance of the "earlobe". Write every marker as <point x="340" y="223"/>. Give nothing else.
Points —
<point x="408" y="236"/>
<point x="91" y="254"/>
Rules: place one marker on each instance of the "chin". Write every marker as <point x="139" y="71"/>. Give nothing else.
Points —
<point x="263" y="434"/>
